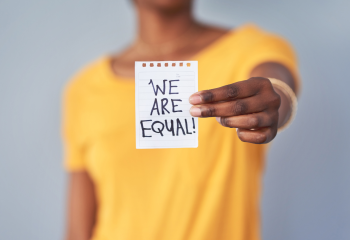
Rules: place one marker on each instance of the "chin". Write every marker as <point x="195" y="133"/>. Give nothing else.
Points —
<point x="165" y="5"/>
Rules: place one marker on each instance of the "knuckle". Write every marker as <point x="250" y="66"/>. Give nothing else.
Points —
<point x="239" y="107"/>
<point x="207" y="96"/>
<point x="271" y="119"/>
<point x="265" y="81"/>
<point x="208" y="111"/>
<point x="276" y="100"/>
<point x="253" y="122"/>
<point x="261" y="81"/>
<point x="265" y="84"/>
<point x="232" y="91"/>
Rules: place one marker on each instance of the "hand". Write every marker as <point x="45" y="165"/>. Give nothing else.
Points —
<point x="251" y="106"/>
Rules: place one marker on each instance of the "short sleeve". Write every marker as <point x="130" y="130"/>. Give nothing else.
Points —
<point x="72" y="132"/>
<point x="268" y="47"/>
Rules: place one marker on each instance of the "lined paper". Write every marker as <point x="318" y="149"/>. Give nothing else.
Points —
<point x="162" y="108"/>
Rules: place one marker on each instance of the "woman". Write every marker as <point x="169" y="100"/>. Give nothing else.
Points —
<point x="211" y="192"/>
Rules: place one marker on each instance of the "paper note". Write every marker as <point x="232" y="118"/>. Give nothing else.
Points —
<point x="162" y="91"/>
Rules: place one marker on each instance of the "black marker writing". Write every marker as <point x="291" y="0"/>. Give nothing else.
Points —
<point x="159" y="127"/>
<point x="171" y="129"/>
<point x="143" y="128"/>
<point x="194" y="126"/>
<point x="155" y="90"/>
<point x="174" y="105"/>
<point x="155" y="106"/>
<point x="187" y="132"/>
<point x="164" y="103"/>
<point x="179" y="126"/>
<point x="171" y="86"/>
<point x="166" y="127"/>
<point x="159" y="130"/>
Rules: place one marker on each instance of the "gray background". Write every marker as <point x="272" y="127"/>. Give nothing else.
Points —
<point x="42" y="43"/>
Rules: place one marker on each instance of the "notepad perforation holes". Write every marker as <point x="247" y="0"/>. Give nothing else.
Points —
<point x="162" y="90"/>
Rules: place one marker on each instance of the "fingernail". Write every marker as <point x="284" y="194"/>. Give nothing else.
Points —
<point x="195" y="112"/>
<point x="218" y="119"/>
<point x="195" y="99"/>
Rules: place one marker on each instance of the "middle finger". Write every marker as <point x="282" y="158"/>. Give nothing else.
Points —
<point x="227" y="109"/>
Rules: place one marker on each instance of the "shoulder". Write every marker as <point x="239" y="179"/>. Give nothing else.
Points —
<point x="85" y="77"/>
<point x="254" y="37"/>
<point x="258" y="46"/>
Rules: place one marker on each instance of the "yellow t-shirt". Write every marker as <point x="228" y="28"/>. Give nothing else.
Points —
<point x="207" y="193"/>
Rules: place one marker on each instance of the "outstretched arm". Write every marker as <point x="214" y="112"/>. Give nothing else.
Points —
<point x="252" y="106"/>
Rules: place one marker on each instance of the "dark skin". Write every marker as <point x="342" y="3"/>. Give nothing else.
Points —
<point x="169" y="32"/>
<point x="82" y="206"/>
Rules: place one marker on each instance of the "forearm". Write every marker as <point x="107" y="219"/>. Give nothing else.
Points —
<point x="81" y="207"/>
<point x="285" y="109"/>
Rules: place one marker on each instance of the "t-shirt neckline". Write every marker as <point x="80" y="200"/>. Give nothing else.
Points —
<point x="230" y="33"/>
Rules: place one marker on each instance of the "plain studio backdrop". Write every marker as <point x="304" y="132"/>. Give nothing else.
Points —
<point x="43" y="43"/>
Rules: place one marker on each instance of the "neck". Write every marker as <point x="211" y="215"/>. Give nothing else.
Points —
<point x="156" y="26"/>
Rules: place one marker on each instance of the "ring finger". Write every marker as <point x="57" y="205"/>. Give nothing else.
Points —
<point x="249" y="121"/>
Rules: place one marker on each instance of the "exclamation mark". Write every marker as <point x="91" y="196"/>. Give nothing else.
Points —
<point x="194" y="125"/>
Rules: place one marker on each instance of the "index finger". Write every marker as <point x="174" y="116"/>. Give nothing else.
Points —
<point x="232" y="91"/>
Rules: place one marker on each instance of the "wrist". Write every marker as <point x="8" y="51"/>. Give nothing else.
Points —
<point x="289" y="103"/>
